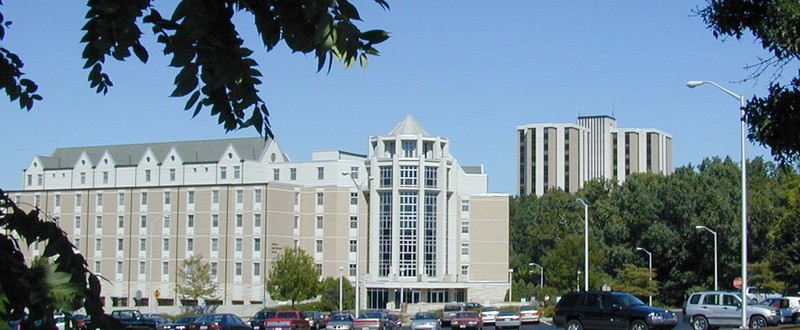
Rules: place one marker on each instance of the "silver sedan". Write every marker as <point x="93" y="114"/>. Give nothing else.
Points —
<point x="425" y="321"/>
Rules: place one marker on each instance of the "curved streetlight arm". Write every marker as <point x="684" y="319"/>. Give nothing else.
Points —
<point x="541" y="273"/>
<point x="695" y="83"/>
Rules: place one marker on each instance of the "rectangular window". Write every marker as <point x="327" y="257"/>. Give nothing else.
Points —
<point x="165" y="268"/>
<point x="352" y="269"/>
<point x="58" y="200"/>
<point x="215" y="196"/>
<point x="83" y="177"/>
<point x="78" y="243"/>
<point x="166" y="221"/>
<point x="223" y="172"/>
<point x="256" y="269"/>
<point x="296" y="222"/>
<point x="30" y="179"/>
<point x="257" y="244"/>
<point x="464" y="249"/>
<point x="239" y="220"/>
<point x="77" y="222"/>
<point x="292" y="174"/>
<point x="147" y="176"/>
<point x="215" y="221"/>
<point x="320" y="173"/>
<point x="238" y="244"/>
<point x="120" y="221"/>
<point x="120" y="244"/>
<point x="214" y="268"/>
<point x="408" y="176"/>
<point x="190" y="244"/>
<point x="465" y="227"/>
<point x="214" y="244"/>
<point x="98" y="244"/>
<point x="465" y="205"/>
<point x="239" y="196"/>
<point x="165" y="244"/>
<point x="257" y="220"/>
<point x="172" y="174"/>
<point x="167" y="198"/>
<point x="386" y="176"/>
<point x="105" y="176"/>
<point x="320" y="199"/>
<point x="257" y="196"/>
<point x="190" y="197"/>
<point x="141" y="268"/>
<point x="354" y="172"/>
<point x="143" y="221"/>
<point x="464" y="269"/>
<point x="353" y="245"/>
<point x="237" y="171"/>
<point x="409" y="149"/>
<point x="143" y="197"/>
<point x="319" y="222"/>
<point x="78" y="200"/>
<point x="318" y="245"/>
<point x="121" y="199"/>
<point x="353" y="222"/>
<point x="97" y="265"/>
<point x="296" y="199"/>
<point x="98" y="221"/>
<point x="99" y="199"/>
<point x="142" y="244"/>
<point x="237" y="268"/>
<point x="276" y="174"/>
<point x="119" y="268"/>
<point x="353" y="198"/>
<point x="39" y="179"/>
<point x="190" y="220"/>
<point x="430" y="176"/>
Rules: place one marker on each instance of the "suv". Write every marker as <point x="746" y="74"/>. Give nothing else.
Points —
<point x="609" y="310"/>
<point x="711" y="309"/>
<point x="449" y="311"/>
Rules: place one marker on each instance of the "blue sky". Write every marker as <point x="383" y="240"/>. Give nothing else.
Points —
<point x="471" y="71"/>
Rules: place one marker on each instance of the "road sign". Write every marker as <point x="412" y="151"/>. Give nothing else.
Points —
<point x="156" y="294"/>
<point x="737" y="282"/>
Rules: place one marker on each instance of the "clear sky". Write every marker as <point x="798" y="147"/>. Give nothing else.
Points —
<point x="471" y="71"/>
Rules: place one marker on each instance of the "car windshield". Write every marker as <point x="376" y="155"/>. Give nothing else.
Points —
<point x="452" y="308"/>
<point x="627" y="300"/>
<point x="489" y="309"/>
<point x="507" y="313"/>
<point x="342" y="317"/>
<point x="370" y="315"/>
<point x="425" y="316"/>
<point x="186" y="319"/>
<point x="467" y="315"/>
<point x="527" y="308"/>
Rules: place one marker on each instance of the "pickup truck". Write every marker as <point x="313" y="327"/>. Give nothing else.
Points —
<point x="287" y="320"/>
<point x="133" y="319"/>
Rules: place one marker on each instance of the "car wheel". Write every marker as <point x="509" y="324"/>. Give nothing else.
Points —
<point x="638" y="325"/>
<point x="574" y="325"/>
<point x="795" y="318"/>
<point x="757" y="321"/>
<point x="699" y="323"/>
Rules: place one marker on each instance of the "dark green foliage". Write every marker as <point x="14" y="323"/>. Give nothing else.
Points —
<point x="59" y="280"/>
<point x="772" y="119"/>
<point x="329" y="291"/>
<point x="214" y="70"/>
<point x="659" y="213"/>
<point x="293" y="276"/>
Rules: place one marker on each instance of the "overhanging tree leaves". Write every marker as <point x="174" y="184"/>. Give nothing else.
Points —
<point x="773" y="119"/>
<point x="214" y="70"/>
<point x="293" y="276"/>
<point x="196" y="279"/>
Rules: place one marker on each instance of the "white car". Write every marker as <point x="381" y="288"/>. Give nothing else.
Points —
<point x="794" y="305"/>
<point x="528" y="314"/>
<point x="489" y="314"/>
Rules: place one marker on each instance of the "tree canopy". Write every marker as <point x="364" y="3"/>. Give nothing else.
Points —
<point x="196" y="281"/>
<point x="293" y="276"/>
<point x="215" y="71"/>
<point x="772" y="119"/>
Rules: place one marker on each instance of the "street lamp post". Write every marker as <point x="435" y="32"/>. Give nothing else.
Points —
<point x="358" y="232"/>
<point x="693" y="84"/>
<point x="150" y="256"/>
<point x="716" y="285"/>
<point x="650" y="257"/>
<point x="541" y="273"/>
<point x="340" y="287"/>
<point x="510" y="283"/>
<point x="585" y="243"/>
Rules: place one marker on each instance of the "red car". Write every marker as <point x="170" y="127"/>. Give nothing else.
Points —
<point x="466" y="320"/>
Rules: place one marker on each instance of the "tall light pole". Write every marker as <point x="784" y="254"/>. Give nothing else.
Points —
<point x="340" y="287"/>
<point x="650" y="257"/>
<point x="693" y="84"/>
<point x="716" y="285"/>
<point x="541" y="273"/>
<point x="153" y="245"/>
<point x="585" y="243"/>
<point x="510" y="283"/>
<point x="358" y="232"/>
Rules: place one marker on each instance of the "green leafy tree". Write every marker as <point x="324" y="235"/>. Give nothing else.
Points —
<point x="636" y="281"/>
<point x="214" y="70"/>
<point x="329" y="294"/>
<point x="772" y="119"/>
<point x="196" y="280"/>
<point x="58" y="279"/>
<point x="293" y="276"/>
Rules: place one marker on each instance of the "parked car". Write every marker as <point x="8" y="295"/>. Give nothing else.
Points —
<point x="507" y="319"/>
<point x="341" y="321"/>
<point x="257" y="321"/>
<point x="781" y="304"/>
<point x="488" y="314"/>
<point x="794" y="305"/>
<point x="393" y="321"/>
<point x="315" y="319"/>
<point x="620" y="310"/>
<point x="221" y="321"/>
<point x="757" y="294"/>
<point x="472" y="306"/>
<point x="371" y="320"/>
<point x="180" y="324"/>
<point x="709" y="309"/>
<point x="425" y="321"/>
<point x="156" y="317"/>
<point x="449" y="311"/>
<point x="528" y="314"/>
<point x="467" y="320"/>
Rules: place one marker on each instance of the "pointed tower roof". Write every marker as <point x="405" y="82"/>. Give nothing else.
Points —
<point x="409" y="126"/>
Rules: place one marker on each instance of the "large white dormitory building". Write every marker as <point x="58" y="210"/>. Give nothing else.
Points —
<point x="567" y="155"/>
<point x="422" y="224"/>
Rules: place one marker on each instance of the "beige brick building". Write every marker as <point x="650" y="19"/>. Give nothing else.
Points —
<point x="412" y="223"/>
